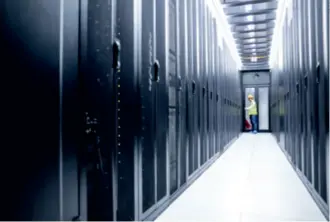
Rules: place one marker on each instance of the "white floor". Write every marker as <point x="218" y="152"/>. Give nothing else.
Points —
<point x="251" y="181"/>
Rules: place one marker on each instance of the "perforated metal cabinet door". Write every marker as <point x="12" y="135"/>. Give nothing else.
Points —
<point x="263" y="107"/>
<point x="326" y="13"/>
<point x="183" y="68"/>
<point x="149" y="89"/>
<point x="304" y="81"/>
<point x="300" y="85"/>
<point x="128" y="108"/>
<point x="296" y="86"/>
<point x="162" y="113"/>
<point x="315" y="92"/>
<point x="209" y="84"/>
<point x="322" y="96"/>
<point x="154" y="90"/>
<point x="203" y="80"/>
<point x="99" y="106"/>
<point x="211" y="87"/>
<point x="71" y="115"/>
<point x="192" y="87"/>
<point x="204" y="150"/>
<point x="214" y="86"/>
<point x="196" y="74"/>
<point x="172" y="75"/>
<point x="39" y="171"/>
<point x="216" y="91"/>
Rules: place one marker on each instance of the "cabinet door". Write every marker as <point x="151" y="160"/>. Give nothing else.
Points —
<point x="263" y="108"/>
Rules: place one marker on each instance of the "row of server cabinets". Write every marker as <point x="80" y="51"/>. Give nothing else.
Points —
<point x="115" y="106"/>
<point x="300" y="95"/>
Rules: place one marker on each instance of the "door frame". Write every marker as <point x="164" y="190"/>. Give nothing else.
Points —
<point x="256" y="86"/>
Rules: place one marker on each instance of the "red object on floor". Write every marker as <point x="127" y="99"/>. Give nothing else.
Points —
<point x="247" y="125"/>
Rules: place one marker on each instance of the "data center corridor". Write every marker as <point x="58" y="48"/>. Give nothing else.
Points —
<point x="142" y="110"/>
<point x="251" y="181"/>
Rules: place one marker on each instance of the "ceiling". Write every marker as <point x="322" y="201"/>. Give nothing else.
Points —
<point x="252" y="23"/>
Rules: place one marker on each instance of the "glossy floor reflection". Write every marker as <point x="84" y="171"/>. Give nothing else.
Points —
<point x="251" y="181"/>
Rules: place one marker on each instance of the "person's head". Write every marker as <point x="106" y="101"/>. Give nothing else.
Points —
<point x="250" y="97"/>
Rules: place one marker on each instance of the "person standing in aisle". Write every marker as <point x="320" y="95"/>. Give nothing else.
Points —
<point x="253" y="113"/>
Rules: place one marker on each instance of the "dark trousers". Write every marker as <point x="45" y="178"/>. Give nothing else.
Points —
<point x="253" y="120"/>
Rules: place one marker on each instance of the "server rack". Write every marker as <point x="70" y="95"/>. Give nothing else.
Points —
<point x="140" y="100"/>
<point x="305" y="80"/>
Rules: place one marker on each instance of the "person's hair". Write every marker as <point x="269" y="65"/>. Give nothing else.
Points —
<point x="250" y="96"/>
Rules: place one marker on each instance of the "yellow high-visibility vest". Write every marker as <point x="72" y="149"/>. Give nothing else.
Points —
<point x="253" y="108"/>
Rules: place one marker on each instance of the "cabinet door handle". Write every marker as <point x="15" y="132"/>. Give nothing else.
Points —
<point x="116" y="55"/>
<point x="306" y="81"/>
<point x="179" y="84"/>
<point x="193" y="87"/>
<point x="156" y="71"/>
<point x="297" y="88"/>
<point x="318" y="73"/>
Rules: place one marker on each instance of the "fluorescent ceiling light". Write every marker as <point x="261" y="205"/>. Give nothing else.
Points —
<point x="254" y="59"/>
<point x="250" y="27"/>
<point x="278" y="31"/>
<point x="218" y="13"/>
<point x="248" y="8"/>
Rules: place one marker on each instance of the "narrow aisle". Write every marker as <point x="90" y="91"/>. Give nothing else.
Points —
<point x="251" y="181"/>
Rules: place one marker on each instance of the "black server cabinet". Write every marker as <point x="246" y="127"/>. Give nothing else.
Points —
<point x="326" y="73"/>
<point x="173" y="106"/>
<point x="321" y="104"/>
<point x="300" y="89"/>
<point x="217" y="94"/>
<point x="204" y="150"/>
<point x="304" y="79"/>
<point x="221" y="95"/>
<point x="305" y="100"/>
<point x="39" y="163"/>
<point x="313" y="112"/>
<point x="183" y="144"/>
<point x="195" y="74"/>
<point x="193" y="92"/>
<point x="216" y="90"/>
<point x="225" y="96"/>
<point x="181" y="161"/>
<point x="99" y="70"/>
<point x="215" y="86"/>
<point x="162" y="56"/>
<point x="212" y="87"/>
<point x="309" y="85"/>
<point x="199" y="79"/>
<point x="203" y="81"/>
<point x="148" y="88"/>
<point x="157" y="166"/>
<point x="295" y="87"/>
<point x="208" y="73"/>
<point x="127" y="110"/>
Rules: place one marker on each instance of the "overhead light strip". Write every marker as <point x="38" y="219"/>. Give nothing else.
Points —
<point x="278" y="31"/>
<point x="224" y="29"/>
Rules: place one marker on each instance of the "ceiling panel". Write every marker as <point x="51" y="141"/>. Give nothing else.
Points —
<point x="252" y="23"/>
